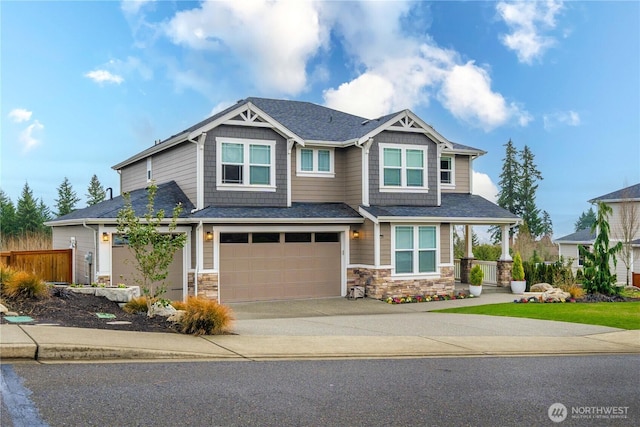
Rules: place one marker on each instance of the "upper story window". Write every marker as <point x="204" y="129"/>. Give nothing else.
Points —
<point x="403" y="168"/>
<point x="415" y="249"/>
<point x="315" y="162"/>
<point x="149" y="169"/>
<point x="245" y="164"/>
<point x="447" y="176"/>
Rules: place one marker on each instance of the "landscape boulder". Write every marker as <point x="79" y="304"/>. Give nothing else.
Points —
<point x="541" y="287"/>
<point x="555" y="294"/>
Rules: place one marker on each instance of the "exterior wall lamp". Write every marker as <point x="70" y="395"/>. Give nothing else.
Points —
<point x="355" y="234"/>
<point x="105" y="237"/>
<point x="208" y="236"/>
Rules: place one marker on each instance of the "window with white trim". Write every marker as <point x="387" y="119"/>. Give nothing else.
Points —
<point x="446" y="170"/>
<point x="315" y="161"/>
<point x="245" y="164"/>
<point x="403" y="167"/>
<point x="415" y="249"/>
<point x="149" y="169"/>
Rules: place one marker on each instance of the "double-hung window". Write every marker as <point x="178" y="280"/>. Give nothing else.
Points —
<point x="245" y="164"/>
<point x="446" y="170"/>
<point x="415" y="249"/>
<point x="403" y="167"/>
<point x="315" y="161"/>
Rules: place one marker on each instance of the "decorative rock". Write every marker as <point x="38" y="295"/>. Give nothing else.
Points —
<point x="177" y="316"/>
<point x="3" y="309"/>
<point x="158" y="309"/>
<point x="119" y="294"/>
<point x="541" y="287"/>
<point x="555" y="294"/>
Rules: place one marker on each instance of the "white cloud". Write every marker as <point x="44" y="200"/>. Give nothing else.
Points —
<point x="272" y="39"/>
<point x="466" y="92"/>
<point x="29" y="137"/>
<point x="104" y="76"/>
<point x="528" y="21"/>
<point x="484" y="186"/>
<point x="19" y="115"/>
<point x="567" y="118"/>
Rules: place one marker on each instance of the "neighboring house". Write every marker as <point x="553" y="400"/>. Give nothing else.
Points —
<point x="287" y="199"/>
<point x="624" y="202"/>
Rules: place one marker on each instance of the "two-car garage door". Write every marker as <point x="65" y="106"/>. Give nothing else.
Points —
<point x="272" y="266"/>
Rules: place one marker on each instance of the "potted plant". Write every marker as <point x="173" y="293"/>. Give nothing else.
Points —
<point x="518" y="284"/>
<point x="475" y="278"/>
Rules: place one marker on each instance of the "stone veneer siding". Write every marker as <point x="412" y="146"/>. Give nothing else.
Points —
<point x="378" y="283"/>
<point x="503" y="273"/>
<point x="207" y="285"/>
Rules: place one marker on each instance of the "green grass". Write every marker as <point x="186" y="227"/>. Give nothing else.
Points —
<point x="623" y="315"/>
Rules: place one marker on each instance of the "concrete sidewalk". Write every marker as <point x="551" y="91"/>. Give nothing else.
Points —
<point x="329" y="328"/>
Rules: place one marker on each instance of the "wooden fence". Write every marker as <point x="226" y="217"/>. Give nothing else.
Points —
<point x="51" y="265"/>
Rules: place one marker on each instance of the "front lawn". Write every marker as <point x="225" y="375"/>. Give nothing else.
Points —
<point x="623" y="315"/>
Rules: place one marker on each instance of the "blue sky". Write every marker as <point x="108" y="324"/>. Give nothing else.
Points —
<point x="85" y="85"/>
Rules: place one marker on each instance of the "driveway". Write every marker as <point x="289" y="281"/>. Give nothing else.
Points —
<point x="368" y="317"/>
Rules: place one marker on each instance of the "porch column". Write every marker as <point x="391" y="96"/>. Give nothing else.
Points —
<point x="505" y="244"/>
<point x="467" y="260"/>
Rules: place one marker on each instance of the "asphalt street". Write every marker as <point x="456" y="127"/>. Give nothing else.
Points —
<point x="496" y="391"/>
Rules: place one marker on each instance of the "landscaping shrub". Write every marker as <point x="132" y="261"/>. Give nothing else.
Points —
<point x="179" y="305"/>
<point x="576" y="291"/>
<point x="6" y="273"/>
<point x="23" y="285"/>
<point x="136" y="305"/>
<point x="205" y="317"/>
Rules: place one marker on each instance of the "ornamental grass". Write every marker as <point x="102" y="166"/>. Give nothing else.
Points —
<point x="205" y="317"/>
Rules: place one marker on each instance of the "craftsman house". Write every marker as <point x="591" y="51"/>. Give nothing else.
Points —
<point x="288" y="199"/>
<point x="624" y="203"/>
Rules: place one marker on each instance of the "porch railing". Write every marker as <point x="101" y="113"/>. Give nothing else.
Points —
<point x="489" y="268"/>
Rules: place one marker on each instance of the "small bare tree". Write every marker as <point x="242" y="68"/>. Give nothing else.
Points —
<point x="628" y="229"/>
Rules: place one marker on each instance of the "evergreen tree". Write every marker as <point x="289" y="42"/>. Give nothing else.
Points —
<point x="28" y="214"/>
<point x="44" y="215"/>
<point x="96" y="193"/>
<point x="67" y="198"/>
<point x="547" y="224"/>
<point x="586" y="220"/>
<point x="597" y="263"/>
<point x="7" y="216"/>
<point x="509" y="194"/>
<point x="526" y="196"/>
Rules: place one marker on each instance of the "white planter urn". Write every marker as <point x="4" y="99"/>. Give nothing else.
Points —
<point x="475" y="290"/>
<point x="518" y="286"/>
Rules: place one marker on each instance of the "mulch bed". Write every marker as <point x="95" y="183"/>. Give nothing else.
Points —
<point x="66" y="308"/>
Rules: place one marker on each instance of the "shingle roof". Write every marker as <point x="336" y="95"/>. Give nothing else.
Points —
<point x="328" y="211"/>
<point x="167" y="197"/>
<point x="453" y="205"/>
<point x="581" y="236"/>
<point x="631" y="192"/>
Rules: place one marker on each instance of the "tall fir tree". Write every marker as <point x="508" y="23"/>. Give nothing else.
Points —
<point x="28" y="213"/>
<point x="509" y="187"/>
<point x="44" y="215"/>
<point x="7" y="216"/>
<point x="526" y="196"/>
<point x="96" y="192"/>
<point x="67" y="198"/>
<point x="586" y="220"/>
<point x="547" y="224"/>
<point x="508" y="196"/>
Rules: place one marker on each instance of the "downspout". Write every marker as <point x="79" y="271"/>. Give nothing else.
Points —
<point x="290" y="143"/>
<point x="95" y="250"/>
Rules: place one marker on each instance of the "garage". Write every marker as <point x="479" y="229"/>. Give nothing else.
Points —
<point x="275" y="266"/>
<point x="124" y="270"/>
